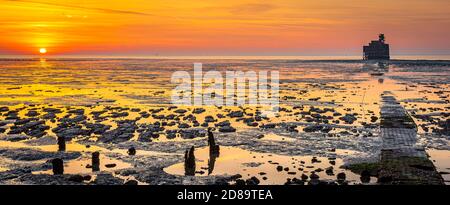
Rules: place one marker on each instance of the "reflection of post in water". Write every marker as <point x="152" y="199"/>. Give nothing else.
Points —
<point x="214" y="151"/>
<point x="189" y="162"/>
<point x="58" y="166"/>
<point x="61" y="144"/>
<point x="96" y="161"/>
<point x="213" y="148"/>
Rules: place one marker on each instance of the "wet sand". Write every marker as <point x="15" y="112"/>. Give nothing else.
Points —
<point x="329" y="120"/>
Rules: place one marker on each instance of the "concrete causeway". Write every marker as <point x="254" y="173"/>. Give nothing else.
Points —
<point x="402" y="160"/>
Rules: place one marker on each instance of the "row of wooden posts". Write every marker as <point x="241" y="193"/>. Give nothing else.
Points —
<point x="189" y="156"/>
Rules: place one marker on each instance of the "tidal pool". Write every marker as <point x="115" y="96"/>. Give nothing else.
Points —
<point x="268" y="168"/>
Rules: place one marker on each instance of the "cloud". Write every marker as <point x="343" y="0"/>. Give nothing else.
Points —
<point x="252" y="8"/>
<point x="114" y="11"/>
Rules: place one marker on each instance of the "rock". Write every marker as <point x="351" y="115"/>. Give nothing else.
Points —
<point x="97" y="128"/>
<point x="119" y="114"/>
<point x="252" y="181"/>
<point x="135" y="110"/>
<point x="15" y="137"/>
<point x="304" y="177"/>
<point x="31" y="126"/>
<point x="183" y="126"/>
<point x="292" y="128"/>
<point x="131" y="182"/>
<point x="147" y="136"/>
<point x="52" y="110"/>
<point x="4" y="109"/>
<point x="298" y="182"/>
<point x="314" y="176"/>
<point x="209" y="118"/>
<point x="49" y="116"/>
<point x="312" y="128"/>
<point x="315" y="160"/>
<point x="373" y="119"/>
<point x="279" y="168"/>
<point x="288" y="182"/>
<point x="227" y="129"/>
<point x="76" y="178"/>
<point x="235" y="114"/>
<point x="192" y="133"/>
<point x="32" y="113"/>
<point x="110" y="165"/>
<point x="223" y="123"/>
<point x="70" y="132"/>
<point x="77" y="111"/>
<point x="329" y="171"/>
<point x="326" y="129"/>
<point x="131" y="151"/>
<point x="252" y="124"/>
<point x="198" y="110"/>
<point x="240" y="182"/>
<point x="124" y="132"/>
<point x="341" y="176"/>
<point x="171" y="134"/>
<point x="144" y="114"/>
<point x="107" y="179"/>
<point x="180" y="111"/>
<point x="268" y="126"/>
<point x="348" y="118"/>
<point x="87" y="178"/>
<point x="26" y="154"/>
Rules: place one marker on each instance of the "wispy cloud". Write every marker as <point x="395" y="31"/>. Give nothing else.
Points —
<point x="114" y="11"/>
<point x="252" y="8"/>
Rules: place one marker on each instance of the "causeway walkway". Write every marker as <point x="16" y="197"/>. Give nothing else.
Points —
<point x="402" y="160"/>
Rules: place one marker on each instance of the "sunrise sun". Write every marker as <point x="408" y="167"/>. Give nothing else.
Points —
<point x="42" y="50"/>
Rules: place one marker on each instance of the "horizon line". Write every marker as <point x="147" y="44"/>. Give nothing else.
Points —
<point x="225" y="57"/>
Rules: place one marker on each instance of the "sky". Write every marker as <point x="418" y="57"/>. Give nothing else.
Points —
<point x="231" y="27"/>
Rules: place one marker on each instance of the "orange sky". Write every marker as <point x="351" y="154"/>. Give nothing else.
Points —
<point x="232" y="27"/>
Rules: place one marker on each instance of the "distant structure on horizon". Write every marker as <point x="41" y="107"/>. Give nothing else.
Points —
<point x="377" y="50"/>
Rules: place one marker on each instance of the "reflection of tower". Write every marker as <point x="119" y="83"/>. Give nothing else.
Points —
<point x="383" y="66"/>
<point x="189" y="162"/>
<point x="61" y="144"/>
